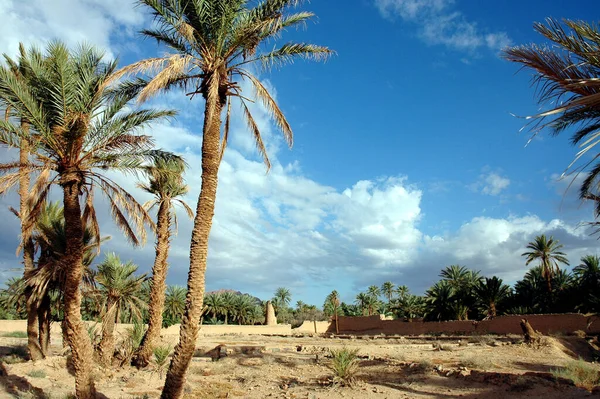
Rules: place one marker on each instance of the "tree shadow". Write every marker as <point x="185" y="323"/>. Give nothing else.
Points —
<point x="536" y="367"/>
<point x="578" y="348"/>
<point x="16" y="385"/>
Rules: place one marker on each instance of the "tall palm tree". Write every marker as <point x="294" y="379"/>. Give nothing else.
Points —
<point x="120" y="290"/>
<point x="547" y="251"/>
<point x="167" y="186"/>
<point x="282" y="298"/>
<point x="567" y="76"/>
<point x="362" y="301"/>
<point x="82" y="129"/>
<point x="332" y="307"/>
<point x="374" y="291"/>
<point x="402" y="291"/>
<point x="213" y="45"/>
<point x="34" y="340"/>
<point x="388" y="289"/>
<point x="174" y="304"/>
<point x="490" y="292"/>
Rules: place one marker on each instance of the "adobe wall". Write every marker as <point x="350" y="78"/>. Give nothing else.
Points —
<point x="547" y="323"/>
<point x="308" y="327"/>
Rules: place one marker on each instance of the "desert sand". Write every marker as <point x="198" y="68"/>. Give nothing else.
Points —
<point x="260" y="366"/>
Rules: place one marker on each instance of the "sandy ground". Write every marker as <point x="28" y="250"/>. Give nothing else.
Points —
<point x="297" y="367"/>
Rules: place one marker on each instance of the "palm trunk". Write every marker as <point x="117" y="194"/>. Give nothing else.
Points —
<point x="158" y="288"/>
<point x="77" y="336"/>
<point x="205" y="209"/>
<point x="44" y="314"/>
<point x="106" y="347"/>
<point x="65" y="336"/>
<point x="33" y="343"/>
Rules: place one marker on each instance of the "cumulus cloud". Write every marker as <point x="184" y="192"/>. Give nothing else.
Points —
<point x="439" y="23"/>
<point x="99" y="22"/>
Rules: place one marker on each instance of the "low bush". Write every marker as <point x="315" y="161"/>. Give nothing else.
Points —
<point x="344" y="364"/>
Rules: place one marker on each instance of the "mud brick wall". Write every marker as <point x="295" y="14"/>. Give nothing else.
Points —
<point x="548" y="323"/>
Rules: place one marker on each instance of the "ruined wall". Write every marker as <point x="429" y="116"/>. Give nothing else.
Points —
<point x="548" y="323"/>
<point x="120" y="329"/>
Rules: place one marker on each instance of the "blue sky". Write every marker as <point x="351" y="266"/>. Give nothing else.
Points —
<point x="406" y="156"/>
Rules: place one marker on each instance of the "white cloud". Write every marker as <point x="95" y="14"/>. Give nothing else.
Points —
<point x="283" y="228"/>
<point x="73" y="21"/>
<point x="439" y="23"/>
<point x="493" y="183"/>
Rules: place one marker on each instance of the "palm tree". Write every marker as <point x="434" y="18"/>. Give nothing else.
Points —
<point x="463" y="281"/>
<point x="567" y="75"/>
<point x="174" y="304"/>
<point x="410" y="307"/>
<point x="402" y="291"/>
<point x="282" y="298"/>
<point x="166" y="184"/>
<point x="215" y="303"/>
<point x="332" y="307"/>
<point x="82" y="129"/>
<point x="243" y="308"/>
<point x="374" y="291"/>
<point x="213" y="44"/>
<point x="228" y="304"/>
<point x="362" y="301"/>
<point x="588" y="270"/>
<point x="547" y="252"/>
<point x="34" y="340"/>
<point x="490" y="292"/>
<point x="440" y="299"/>
<point x="388" y="290"/>
<point x="120" y="290"/>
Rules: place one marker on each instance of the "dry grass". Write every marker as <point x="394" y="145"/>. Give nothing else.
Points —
<point x="422" y="366"/>
<point x="37" y="374"/>
<point x="481" y="339"/>
<point x="582" y="374"/>
<point x="476" y="362"/>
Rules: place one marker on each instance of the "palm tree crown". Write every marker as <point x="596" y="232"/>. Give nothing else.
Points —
<point x="120" y="288"/>
<point x="214" y="43"/>
<point x="567" y="76"/>
<point x="80" y="127"/>
<point x="547" y="251"/>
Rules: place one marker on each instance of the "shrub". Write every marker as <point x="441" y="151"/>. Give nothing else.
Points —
<point x="37" y="374"/>
<point x="161" y="357"/>
<point x="131" y="343"/>
<point x="15" y="334"/>
<point x="582" y="374"/>
<point x="344" y="364"/>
